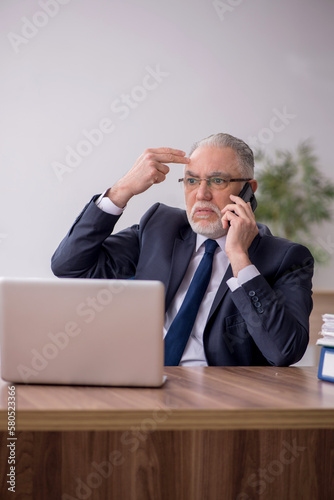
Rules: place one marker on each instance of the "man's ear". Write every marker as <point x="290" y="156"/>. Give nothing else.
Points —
<point x="253" y="183"/>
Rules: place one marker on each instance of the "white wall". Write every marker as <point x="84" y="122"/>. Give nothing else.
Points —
<point x="226" y="71"/>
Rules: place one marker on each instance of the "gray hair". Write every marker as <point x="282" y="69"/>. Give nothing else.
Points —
<point x="243" y="151"/>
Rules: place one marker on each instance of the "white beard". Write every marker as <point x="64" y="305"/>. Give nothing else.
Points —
<point x="213" y="229"/>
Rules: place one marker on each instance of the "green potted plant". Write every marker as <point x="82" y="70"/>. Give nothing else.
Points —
<point x="294" y="196"/>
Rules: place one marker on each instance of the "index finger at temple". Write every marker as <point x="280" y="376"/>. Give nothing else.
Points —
<point x="169" y="155"/>
<point x="175" y="158"/>
<point x="167" y="150"/>
<point x="170" y="158"/>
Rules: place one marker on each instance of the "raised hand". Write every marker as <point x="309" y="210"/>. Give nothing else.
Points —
<point x="150" y="168"/>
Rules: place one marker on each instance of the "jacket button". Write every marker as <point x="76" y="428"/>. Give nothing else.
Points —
<point x="260" y="310"/>
<point x="257" y="304"/>
<point x="251" y="293"/>
<point x="254" y="298"/>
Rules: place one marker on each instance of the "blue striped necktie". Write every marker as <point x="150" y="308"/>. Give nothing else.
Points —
<point x="180" y="329"/>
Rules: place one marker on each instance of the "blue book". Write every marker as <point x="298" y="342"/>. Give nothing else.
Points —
<point x="326" y="364"/>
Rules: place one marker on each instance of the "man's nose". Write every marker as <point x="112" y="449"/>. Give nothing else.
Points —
<point x="203" y="191"/>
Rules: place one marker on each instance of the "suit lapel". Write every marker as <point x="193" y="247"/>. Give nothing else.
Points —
<point x="223" y="288"/>
<point x="182" y="252"/>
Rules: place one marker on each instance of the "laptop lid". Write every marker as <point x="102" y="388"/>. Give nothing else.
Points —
<point x="82" y="331"/>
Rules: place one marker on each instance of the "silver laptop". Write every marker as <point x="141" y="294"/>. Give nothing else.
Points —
<point x="82" y="331"/>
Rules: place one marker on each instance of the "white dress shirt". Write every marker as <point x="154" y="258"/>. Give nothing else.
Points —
<point x="194" y="351"/>
<point x="194" y="354"/>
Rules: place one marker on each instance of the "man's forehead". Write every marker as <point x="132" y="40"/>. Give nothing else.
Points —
<point x="214" y="161"/>
<point x="214" y="152"/>
<point x="211" y="173"/>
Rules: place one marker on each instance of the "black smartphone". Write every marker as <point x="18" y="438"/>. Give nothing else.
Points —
<point x="247" y="194"/>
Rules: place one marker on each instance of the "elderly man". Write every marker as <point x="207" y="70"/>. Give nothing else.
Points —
<point x="235" y="294"/>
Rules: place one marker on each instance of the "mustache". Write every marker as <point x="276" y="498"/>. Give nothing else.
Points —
<point x="205" y="204"/>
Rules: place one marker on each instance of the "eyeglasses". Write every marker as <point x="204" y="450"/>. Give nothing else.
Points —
<point x="192" y="183"/>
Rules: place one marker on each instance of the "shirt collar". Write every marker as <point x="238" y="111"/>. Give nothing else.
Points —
<point x="200" y="239"/>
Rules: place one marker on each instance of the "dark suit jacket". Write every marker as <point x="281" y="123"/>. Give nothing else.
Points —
<point x="265" y="321"/>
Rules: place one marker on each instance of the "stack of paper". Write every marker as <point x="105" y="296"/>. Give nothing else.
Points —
<point x="326" y="361"/>
<point x="327" y="331"/>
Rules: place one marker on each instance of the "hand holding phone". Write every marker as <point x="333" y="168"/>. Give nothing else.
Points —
<point x="247" y="194"/>
<point x="240" y="236"/>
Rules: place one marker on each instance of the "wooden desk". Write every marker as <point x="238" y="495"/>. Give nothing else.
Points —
<point x="210" y="433"/>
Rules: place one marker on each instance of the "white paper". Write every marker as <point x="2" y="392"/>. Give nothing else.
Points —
<point x="328" y="364"/>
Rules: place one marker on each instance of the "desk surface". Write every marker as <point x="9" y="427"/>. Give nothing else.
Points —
<point x="192" y="398"/>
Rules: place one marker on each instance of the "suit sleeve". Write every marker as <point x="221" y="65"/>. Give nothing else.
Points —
<point x="277" y="313"/>
<point x="89" y="250"/>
